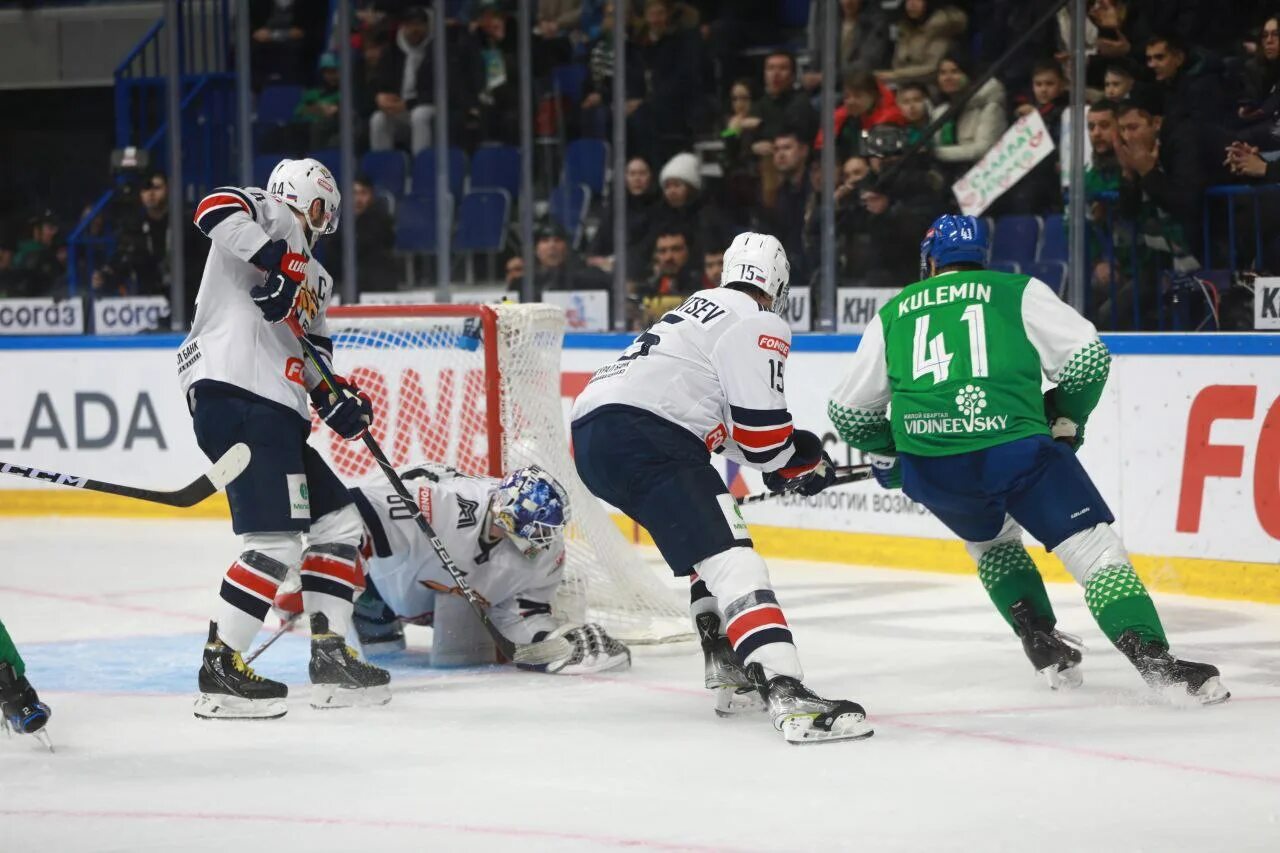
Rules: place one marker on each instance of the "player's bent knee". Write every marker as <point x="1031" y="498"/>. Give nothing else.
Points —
<point x="733" y="572"/>
<point x="343" y="526"/>
<point x="283" y="548"/>
<point x="1010" y="532"/>
<point x="1085" y="552"/>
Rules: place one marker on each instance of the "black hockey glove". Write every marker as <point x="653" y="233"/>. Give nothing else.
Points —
<point x="349" y="414"/>
<point x="809" y="471"/>
<point x="286" y="271"/>
<point x="1062" y="428"/>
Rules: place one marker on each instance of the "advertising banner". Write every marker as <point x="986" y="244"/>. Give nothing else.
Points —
<point x="41" y="317"/>
<point x="855" y="306"/>
<point x="128" y="315"/>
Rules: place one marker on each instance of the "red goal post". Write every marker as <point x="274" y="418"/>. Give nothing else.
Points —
<point x="478" y="387"/>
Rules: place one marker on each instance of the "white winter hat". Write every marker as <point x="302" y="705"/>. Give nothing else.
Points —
<point x="683" y="166"/>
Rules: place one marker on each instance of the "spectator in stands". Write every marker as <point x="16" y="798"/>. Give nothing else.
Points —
<point x="1192" y="87"/>
<point x="674" y="273"/>
<point x="867" y="103"/>
<point x="1118" y="80"/>
<point x="557" y="268"/>
<point x="1040" y="191"/>
<point x="597" y="102"/>
<point x="287" y="38"/>
<point x="496" y="72"/>
<point x="514" y="273"/>
<point x="740" y="24"/>
<point x="642" y="197"/>
<point x="558" y="17"/>
<point x="913" y="100"/>
<point x="42" y="257"/>
<point x="1103" y="174"/>
<point x="318" y="108"/>
<point x="404" y="86"/>
<point x="1248" y="161"/>
<point x="1261" y="109"/>
<point x="926" y="31"/>
<point x="375" y="240"/>
<point x="1111" y="17"/>
<point x="782" y="106"/>
<point x="966" y="137"/>
<point x="864" y="45"/>
<point x="712" y="267"/>
<point x="14" y="282"/>
<point x="782" y="215"/>
<point x="682" y="207"/>
<point x="672" y="109"/>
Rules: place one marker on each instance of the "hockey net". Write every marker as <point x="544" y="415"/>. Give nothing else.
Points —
<point x="479" y="388"/>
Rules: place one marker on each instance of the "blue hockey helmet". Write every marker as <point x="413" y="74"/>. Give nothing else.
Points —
<point x="953" y="239"/>
<point x="531" y="508"/>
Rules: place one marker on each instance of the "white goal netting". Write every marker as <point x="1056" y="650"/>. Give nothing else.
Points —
<point x="444" y="379"/>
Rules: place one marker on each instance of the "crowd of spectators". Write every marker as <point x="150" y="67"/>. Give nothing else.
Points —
<point x="723" y="130"/>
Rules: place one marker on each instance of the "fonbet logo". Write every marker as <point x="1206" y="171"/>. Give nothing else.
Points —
<point x="769" y="342"/>
<point x="293" y="371"/>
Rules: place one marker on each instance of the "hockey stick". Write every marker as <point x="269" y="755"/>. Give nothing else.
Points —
<point x="527" y="653"/>
<point x="226" y="469"/>
<point x="280" y="632"/>
<point x="849" y="474"/>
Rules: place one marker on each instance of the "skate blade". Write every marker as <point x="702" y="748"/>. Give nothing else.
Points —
<point x="210" y="706"/>
<point x="736" y="701"/>
<point x="1063" y="679"/>
<point x="325" y="697"/>
<point x="1210" y="693"/>
<point x="43" y="736"/>
<point x="798" y="729"/>
<point x="378" y="648"/>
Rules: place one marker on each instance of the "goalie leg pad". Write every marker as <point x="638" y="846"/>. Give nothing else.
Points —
<point x="249" y="587"/>
<point x="754" y="622"/>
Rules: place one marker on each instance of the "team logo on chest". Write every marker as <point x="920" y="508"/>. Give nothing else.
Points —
<point x="467" y="513"/>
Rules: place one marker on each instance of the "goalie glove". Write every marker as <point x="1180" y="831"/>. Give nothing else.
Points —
<point x="591" y="650"/>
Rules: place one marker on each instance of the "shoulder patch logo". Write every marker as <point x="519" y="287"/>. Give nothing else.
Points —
<point x="778" y="345"/>
<point x="424" y="504"/>
<point x="467" y="512"/>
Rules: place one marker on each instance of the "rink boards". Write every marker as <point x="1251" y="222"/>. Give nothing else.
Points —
<point x="1185" y="446"/>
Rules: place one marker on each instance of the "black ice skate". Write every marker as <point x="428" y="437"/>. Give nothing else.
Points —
<point x="1049" y="650"/>
<point x="339" y="679"/>
<point x="231" y="690"/>
<point x="805" y="717"/>
<point x="1179" y="680"/>
<point x="735" y="693"/>
<point x="21" y="710"/>
<point x="376" y="624"/>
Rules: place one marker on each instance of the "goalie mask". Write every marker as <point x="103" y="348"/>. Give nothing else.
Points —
<point x="760" y="261"/>
<point x="299" y="183"/>
<point x="531" y="508"/>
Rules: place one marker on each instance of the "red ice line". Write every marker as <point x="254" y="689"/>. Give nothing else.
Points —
<point x="223" y="817"/>
<point x="97" y="601"/>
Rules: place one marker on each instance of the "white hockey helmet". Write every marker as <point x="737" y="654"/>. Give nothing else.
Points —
<point x="298" y="183"/>
<point x="760" y="261"/>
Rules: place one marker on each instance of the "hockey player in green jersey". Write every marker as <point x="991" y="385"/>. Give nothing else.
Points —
<point x="944" y="395"/>
<point x="20" y="708"/>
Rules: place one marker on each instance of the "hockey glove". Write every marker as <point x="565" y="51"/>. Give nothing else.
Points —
<point x="285" y="291"/>
<point x="1062" y="428"/>
<point x="591" y="650"/>
<point x="887" y="470"/>
<point x="349" y="414"/>
<point x="809" y="471"/>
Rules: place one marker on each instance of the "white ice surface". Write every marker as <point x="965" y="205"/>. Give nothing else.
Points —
<point x="971" y="752"/>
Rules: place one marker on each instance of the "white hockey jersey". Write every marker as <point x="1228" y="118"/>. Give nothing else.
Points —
<point x="713" y="366"/>
<point x="230" y="341"/>
<point x="406" y="571"/>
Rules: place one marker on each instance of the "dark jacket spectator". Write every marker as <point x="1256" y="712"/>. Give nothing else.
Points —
<point x="681" y="207"/>
<point x="783" y="215"/>
<point x="642" y="197"/>
<point x="674" y="271"/>
<point x="375" y="241"/>
<point x="926" y="31"/>
<point x="288" y="36"/>
<point x="495" y="77"/>
<point x="556" y="268"/>
<point x="404" y="86"/>
<point x="1159" y="180"/>
<point x="783" y="106"/>
<point x="673" y="108"/>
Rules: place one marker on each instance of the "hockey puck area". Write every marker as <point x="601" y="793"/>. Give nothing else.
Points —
<point x="110" y="616"/>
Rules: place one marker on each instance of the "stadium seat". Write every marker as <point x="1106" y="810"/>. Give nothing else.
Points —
<point x="1053" y="245"/>
<point x="568" y="81"/>
<point x="277" y="103"/>
<point x="424" y="172"/>
<point x="568" y="206"/>
<point x="331" y="158"/>
<point x="416" y="225"/>
<point x="262" y="166"/>
<point x="387" y="169"/>
<point x="482" y="221"/>
<point x="1015" y="239"/>
<point x="584" y="163"/>
<point x="1052" y="273"/>
<point x="1005" y="266"/>
<point x="496" y="167"/>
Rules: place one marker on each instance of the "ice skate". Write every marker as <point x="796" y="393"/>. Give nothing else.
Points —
<point x="339" y="678"/>
<point x="376" y="624"/>
<point x="231" y="690"/>
<point x="734" y="692"/>
<point x="21" y="710"/>
<point x="805" y="717"/>
<point x="1051" y="652"/>
<point x="1181" y="681"/>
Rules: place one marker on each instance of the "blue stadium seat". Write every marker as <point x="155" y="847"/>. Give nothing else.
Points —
<point x="482" y="221"/>
<point x="416" y="225"/>
<point x="1015" y="239"/>
<point x="387" y="169"/>
<point x="1052" y="273"/>
<point x="424" y="171"/>
<point x="568" y="206"/>
<point x="584" y="163"/>
<point x="496" y="167"/>
<point x="332" y="158"/>
<point x="1005" y="266"/>
<point x="262" y="166"/>
<point x="1053" y="245"/>
<point x="277" y="103"/>
<point x="569" y="81"/>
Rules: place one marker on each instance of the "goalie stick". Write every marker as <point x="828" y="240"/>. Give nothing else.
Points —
<point x="849" y="474"/>
<point x="526" y="653"/>
<point x="226" y="469"/>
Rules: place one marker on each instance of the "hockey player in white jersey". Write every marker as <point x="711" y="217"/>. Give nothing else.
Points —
<point x="242" y="371"/>
<point x="506" y="535"/>
<point x="708" y="378"/>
